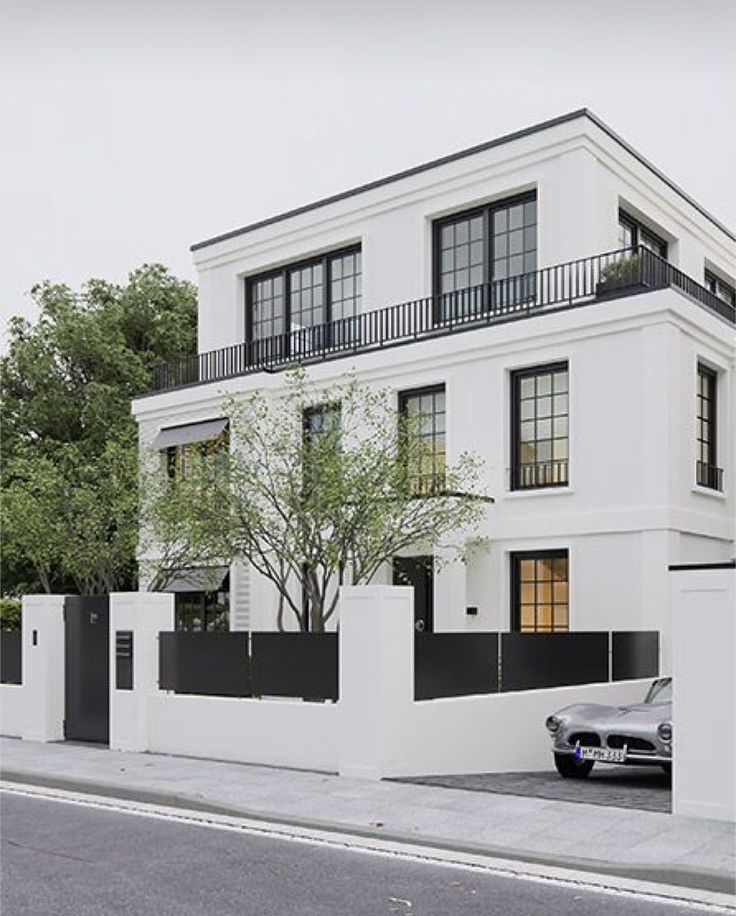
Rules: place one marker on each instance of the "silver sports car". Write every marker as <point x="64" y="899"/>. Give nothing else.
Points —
<point x="588" y="732"/>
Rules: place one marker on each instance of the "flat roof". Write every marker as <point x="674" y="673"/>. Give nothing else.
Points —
<point x="470" y="151"/>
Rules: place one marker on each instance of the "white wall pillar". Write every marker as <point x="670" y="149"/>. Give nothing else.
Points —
<point x="376" y="677"/>
<point x="43" y="667"/>
<point x="145" y="614"/>
<point x="450" y="591"/>
<point x="703" y="645"/>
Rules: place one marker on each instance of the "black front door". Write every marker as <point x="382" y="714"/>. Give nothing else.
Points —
<point x="419" y="572"/>
<point x="87" y="660"/>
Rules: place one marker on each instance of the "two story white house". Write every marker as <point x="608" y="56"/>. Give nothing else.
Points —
<point x="560" y="308"/>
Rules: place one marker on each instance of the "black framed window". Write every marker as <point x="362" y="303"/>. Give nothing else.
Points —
<point x="495" y="244"/>
<point x="632" y="233"/>
<point x="303" y="296"/>
<point x="540" y="592"/>
<point x="425" y="413"/>
<point x="720" y="288"/>
<point x="708" y="474"/>
<point x="540" y="418"/>
<point x="203" y="611"/>
<point x="179" y="458"/>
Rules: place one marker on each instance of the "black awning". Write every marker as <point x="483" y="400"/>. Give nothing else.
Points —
<point x="198" y="579"/>
<point x="191" y="432"/>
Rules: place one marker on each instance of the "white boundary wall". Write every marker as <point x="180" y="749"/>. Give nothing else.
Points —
<point x="288" y="733"/>
<point x="703" y="605"/>
<point x="11" y="710"/>
<point x="377" y="729"/>
<point x="43" y="668"/>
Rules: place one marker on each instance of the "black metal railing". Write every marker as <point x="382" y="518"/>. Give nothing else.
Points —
<point x="602" y="276"/>
<point x="529" y="475"/>
<point x="708" y="475"/>
<point x="462" y="664"/>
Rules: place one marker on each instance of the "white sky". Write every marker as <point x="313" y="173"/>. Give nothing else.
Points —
<point x="132" y="128"/>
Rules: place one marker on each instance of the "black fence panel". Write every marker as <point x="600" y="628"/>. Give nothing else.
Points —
<point x="11" y="657"/>
<point x="295" y="665"/>
<point x="530" y="661"/>
<point x="209" y="664"/>
<point x="635" y="654"/>
<point x="455" y="664"/>
<point x="87" y="668"/>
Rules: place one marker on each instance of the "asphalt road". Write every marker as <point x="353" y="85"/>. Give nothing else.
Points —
<point x="60" y="859"/>
<point x="647" y="788"/>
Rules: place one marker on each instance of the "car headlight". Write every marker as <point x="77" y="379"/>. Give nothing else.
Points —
<point x="664" y="730"/>
<point x="553" y="724"/>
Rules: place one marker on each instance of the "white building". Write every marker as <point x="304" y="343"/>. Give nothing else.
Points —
<point x="601" y="397"/>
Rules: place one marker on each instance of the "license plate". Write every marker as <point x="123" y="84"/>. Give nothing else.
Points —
<point x="605" y="754"/>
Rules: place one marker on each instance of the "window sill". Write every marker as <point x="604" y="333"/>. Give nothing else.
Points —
<point x="708" y="491"/>
<point x="538" y="491"/>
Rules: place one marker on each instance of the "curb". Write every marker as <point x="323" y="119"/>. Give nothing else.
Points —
<point x="671" y="876"/>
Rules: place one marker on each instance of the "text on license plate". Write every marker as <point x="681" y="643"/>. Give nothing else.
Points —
<point x="606" y="754"/>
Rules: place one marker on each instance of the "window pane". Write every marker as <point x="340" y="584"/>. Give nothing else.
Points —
<point x="541" y="595"/>
<point x="541" y="429"/>
<point x="426" y="448"/>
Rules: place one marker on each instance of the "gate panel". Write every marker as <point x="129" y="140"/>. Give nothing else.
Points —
<point x="87" y="668"/>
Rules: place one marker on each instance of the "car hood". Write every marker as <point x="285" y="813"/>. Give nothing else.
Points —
<point x="615" y="716"/>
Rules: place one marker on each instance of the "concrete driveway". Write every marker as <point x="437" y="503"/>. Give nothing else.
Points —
<point x="645" y="788"/>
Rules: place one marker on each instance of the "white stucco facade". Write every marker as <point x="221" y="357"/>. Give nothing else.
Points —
<point x="632" y="505"/>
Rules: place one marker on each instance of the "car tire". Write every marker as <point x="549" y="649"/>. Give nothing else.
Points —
<point x="571" y="768"/>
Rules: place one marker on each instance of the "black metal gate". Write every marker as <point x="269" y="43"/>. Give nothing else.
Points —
<point x="418" y="572"/>
<point x="87" y="662"/>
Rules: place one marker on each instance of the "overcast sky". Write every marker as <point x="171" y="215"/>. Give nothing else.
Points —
<point x="132" y="129"/>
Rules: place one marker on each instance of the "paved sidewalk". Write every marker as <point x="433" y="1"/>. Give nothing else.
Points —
<point x="645" y="845"/>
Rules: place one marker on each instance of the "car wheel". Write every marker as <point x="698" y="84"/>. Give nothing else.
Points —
<point x="572" y="768"/>
<point x="667" y="767"/>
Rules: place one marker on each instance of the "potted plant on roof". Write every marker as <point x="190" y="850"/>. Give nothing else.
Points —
<point x="620" y="274"/>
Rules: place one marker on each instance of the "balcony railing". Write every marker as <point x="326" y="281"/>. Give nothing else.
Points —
<point x="616" y="273"/>
<point x="535" y="474"/>
<point x="708" y="475"/>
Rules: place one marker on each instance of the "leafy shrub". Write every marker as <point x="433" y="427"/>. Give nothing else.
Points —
<point x="10" y="613"/>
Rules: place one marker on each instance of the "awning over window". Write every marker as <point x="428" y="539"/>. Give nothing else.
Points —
<point x="198" y="579"/>
<point x="191" y="432"/>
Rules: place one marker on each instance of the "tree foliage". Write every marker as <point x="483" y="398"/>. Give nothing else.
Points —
<point x="311" y="508"/>
<point x="69" y="470"/>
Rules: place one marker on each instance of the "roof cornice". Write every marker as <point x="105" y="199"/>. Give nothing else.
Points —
<point x="461" y="154"/>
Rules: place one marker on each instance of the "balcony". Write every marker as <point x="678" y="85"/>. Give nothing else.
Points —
<point x="575" y="283"/>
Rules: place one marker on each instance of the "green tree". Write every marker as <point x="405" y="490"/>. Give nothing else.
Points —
<point x="319" y="488"/>
<point x="69" y="469"/>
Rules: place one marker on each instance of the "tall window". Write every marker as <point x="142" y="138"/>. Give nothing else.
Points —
<point x="720" y="288"/>
<point x="539" y="427"/>
<point x="706" y="471"/>
<point x="495" y="245"/>
<point x="539" y="592"/>
<point x="301" y="297"/>
<point x="424" y="410"/>
<point x="632" y="233"/>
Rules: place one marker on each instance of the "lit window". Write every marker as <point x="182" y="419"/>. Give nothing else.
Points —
<point x="540" y="602"/>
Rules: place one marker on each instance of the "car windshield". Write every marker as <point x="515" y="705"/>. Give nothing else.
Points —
<point x="660" y="691"/>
